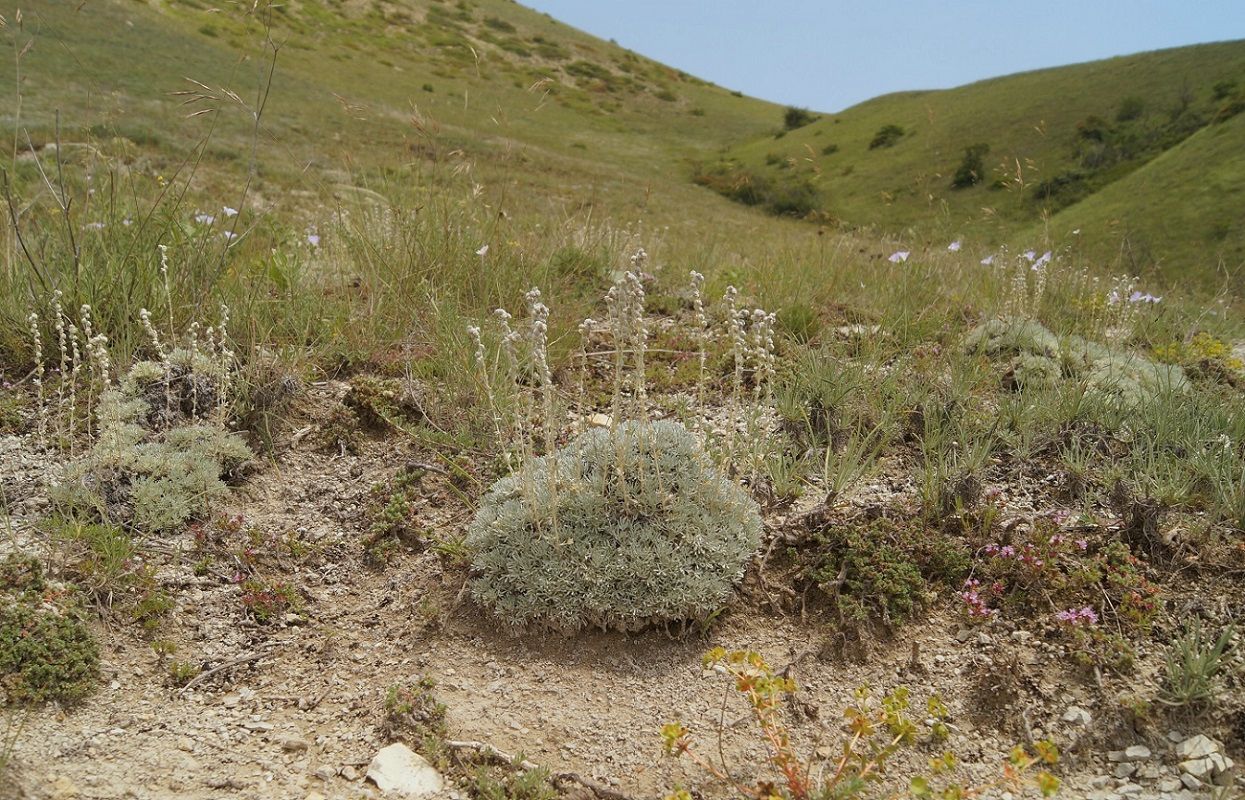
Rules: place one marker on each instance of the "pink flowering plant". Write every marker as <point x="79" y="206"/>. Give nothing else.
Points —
<point x="1095" y="596"/>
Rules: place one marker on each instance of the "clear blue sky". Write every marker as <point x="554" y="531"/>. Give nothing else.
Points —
<point x="828" y="55"/>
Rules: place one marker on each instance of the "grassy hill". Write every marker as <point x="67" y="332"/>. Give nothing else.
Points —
<point x="1047" y="142"/>
<point x="360" y="86"/>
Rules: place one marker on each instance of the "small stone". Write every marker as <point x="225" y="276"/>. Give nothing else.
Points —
<point x="402" y="771"/>
<point x="1115" y="756"/>
<point x="350" y="773"/>
<point x="1191" y="783"/>
<point x="1124" y="769"/>
<point x="600" y="420"/>
<point x="185" y="743"/>
<point x="1128" y="789"/>
<point x="1075" y="715"/>
<point x="1100" y="782"/>
<point x="1196" y="747"/>
<point x="293" y="743"/>
<point x="258" y="726"/>
<point x="1138" y="752"/>
<point x="1175" y="736"/>
<point x="314" y="796"/>
<point x="1170" y="785"/>
<point x="325" y="773"/>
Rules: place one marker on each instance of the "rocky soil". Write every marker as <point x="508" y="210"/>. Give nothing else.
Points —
<point x="292" y="708"/>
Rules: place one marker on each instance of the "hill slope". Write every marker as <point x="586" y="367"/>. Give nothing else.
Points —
<point x="1055" y="137"/>
<point x="352" y="80"/>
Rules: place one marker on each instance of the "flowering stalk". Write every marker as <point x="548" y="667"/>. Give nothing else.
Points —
<point x="36" y="339"/>
<point x="701" y="331"/>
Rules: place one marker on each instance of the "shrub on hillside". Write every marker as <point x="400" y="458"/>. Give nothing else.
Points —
<point x="886" y="136"/>
<point x="789" y="194"/>
<point x="972" y="167"/>
<point x="619" y="529"/>
<point x="1130" y="108"/>
<point x="795" y="117"/>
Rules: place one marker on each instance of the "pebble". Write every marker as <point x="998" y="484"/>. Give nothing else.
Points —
<point x="185" y="743"/>
<point x="1138" y="752"/>
<point x="1075" y="715"/>
<point x="1170" y="785"/>
<point x="293" y="743"/>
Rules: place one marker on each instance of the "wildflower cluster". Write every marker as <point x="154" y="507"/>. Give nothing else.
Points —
<point x="1050" y="569"/>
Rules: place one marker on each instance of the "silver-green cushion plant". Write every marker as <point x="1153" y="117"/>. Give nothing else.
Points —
<point x="619" y="529"/>
<point x="1037" y="358"/>
<point x="160" y="459"/>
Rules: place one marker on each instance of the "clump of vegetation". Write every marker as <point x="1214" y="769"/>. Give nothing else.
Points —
<point x="267" y="600"/>
<point x="887" y="136"/>
<point x="787" y="194"/>
<point x="383" y="403"/>
<point x="46" y="651"/>
<point x="1034" y="357"/>
<point x="619" y="529"/>
<point x="413" y="715"/>
<point x="882" y="571"/>
<point x="875" y="730"/>
<point x="972" y="168"/>
<point x="392" y="521"/>
<point x="1193" y="664"/>
<point x="158" y="462"/>
<point x="1206" y="356"/>
<point x="104" y="563"/>
<point x="1101" y="594"/>
<point x="795" y="117"/>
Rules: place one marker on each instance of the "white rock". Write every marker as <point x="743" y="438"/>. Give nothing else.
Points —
<point x="1191" y="783"/>
<point x="1200" y="768"/>
<point x="1196" y="747"/>
<point x="1129" y="789"/>
<point x="1138" y="752"/>
<point x="405" y="773"/>
<point x="1075" y="715"/>
<point x="1124" y="770"/>
<point x="1170" y="785"/>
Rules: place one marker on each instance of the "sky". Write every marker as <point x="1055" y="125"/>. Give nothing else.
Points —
<point x="830" y="54"/>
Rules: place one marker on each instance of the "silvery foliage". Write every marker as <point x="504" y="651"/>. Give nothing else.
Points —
<point x="641" y="528"/>
<point x="159" y="460"/>
<point x="1036" y="357"/>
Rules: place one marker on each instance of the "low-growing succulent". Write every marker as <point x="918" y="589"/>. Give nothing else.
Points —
<point x="619" y="529"/>
<point x="46" y="650"/>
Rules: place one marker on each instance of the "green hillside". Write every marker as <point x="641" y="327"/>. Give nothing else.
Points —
<point x="1185" y="210"/>
<point x="1046" y="142"/>
<point x="359" y="86"/>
